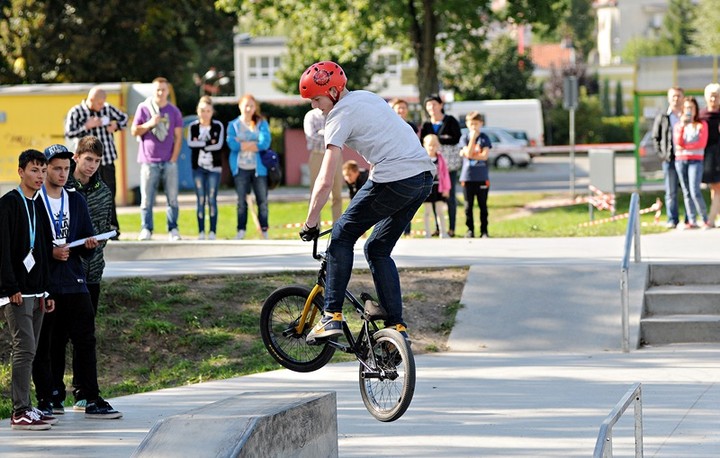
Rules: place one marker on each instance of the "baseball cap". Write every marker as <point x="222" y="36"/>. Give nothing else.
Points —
<point x="57" y="151"/>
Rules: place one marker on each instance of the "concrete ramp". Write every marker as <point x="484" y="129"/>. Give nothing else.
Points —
<point x="259" y="424"/>
<point x="546" y="307"/>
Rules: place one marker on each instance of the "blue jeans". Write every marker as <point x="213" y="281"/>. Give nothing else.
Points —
<point x="244" y="181"/>
<point x="690" y="176"/>
<point x="206" y="189"/>
<point x="389" y="207"/>
<point x="671" y="186"/>
<point x="150" y="175"/>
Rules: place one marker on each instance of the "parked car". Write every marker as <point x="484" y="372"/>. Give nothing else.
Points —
<point x="650" y="163"/>
<point x="506" y="150"/>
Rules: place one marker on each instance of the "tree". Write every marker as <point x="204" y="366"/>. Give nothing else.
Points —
<point x="605" y="97"/>
<point x="576" y="24"/>
<point x="677" y="26"/>
<point x="619" y="102"/>
<point x="644" y="47"/>
<point x="114" y="40"/>
<point x="706" y="29"/>
<point x="422" y="29"/>
<point x="496" y="71"/>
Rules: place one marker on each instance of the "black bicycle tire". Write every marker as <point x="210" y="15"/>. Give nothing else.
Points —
<point x="396" y="400"/>
<point x="292" y="352"/>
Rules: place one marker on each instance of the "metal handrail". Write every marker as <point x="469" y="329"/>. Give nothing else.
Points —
<point x="603" y="446"/>
<point x="632" y="232"/>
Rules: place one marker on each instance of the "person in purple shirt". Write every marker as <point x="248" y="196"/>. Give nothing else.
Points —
<point x="158" y="124"/>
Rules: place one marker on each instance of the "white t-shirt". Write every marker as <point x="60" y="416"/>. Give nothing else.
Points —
<point x="59" y="221"/>
<point x="365" y="122"/>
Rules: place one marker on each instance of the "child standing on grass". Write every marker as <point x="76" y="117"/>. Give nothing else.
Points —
<point x="25" y="250"/>
<point x="475" y="175"/>
<point x="436" y="203"/>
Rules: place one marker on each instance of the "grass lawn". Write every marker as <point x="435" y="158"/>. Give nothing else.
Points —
<point x="508" y="218"/>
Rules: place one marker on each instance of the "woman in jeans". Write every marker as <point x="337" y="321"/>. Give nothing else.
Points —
<point x="206" y="138"/>
<point x="690" y="136"/>
<point x="247" y="136"/>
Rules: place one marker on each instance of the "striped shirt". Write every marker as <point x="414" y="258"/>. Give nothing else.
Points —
<point x="79" y="115"/>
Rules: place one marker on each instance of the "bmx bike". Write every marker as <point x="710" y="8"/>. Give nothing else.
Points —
<point x="387" y="365"/>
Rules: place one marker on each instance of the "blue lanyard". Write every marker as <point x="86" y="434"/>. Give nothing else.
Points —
<point x="57" y="223"/>
<point x="31" y="224"/>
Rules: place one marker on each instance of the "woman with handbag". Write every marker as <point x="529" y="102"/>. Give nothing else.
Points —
<point x="247" y="136"/>
<point x="448" y="131"/>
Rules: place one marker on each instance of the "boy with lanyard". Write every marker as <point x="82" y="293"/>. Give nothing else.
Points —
<point x="74" y="317"/>
<point x="400" y="179"/>
<point x="25" y="247"/>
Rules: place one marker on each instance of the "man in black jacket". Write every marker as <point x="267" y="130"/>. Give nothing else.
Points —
<point x="663" y="140"/>
<point x="25" y="246"/>
<point x="74" y="318"/>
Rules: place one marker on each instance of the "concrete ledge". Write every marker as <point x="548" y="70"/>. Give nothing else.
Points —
<point x="192" y="249"/>
<point x="285" y="423"/>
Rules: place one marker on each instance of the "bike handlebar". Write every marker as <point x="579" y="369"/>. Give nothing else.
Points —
<point x="315" y="243"/>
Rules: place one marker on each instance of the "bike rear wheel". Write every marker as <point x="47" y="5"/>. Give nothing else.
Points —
<point x="387" y="386"/>
<point x="279" y="317"/>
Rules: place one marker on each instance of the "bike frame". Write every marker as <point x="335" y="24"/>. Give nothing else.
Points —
<point x="354" y="342"/>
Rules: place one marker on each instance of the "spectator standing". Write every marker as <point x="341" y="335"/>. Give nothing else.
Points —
<point x="246" y="137"/>
<point x="711" y="160"/>
<point x="401" y="107"/>
<point x="436" y="203"/>
<point x="448" y="131"/>
<point x="475" y="173"/>
<point x="400" y="179"/>
<point x="314" y="127"/>
<point x="690" y="136"/>
<point x="665" y="149"/>
<point x="159" y="125"/>
<point x="85" y="179"/>
<point x="74" y="317"/>
<point x="206" y="138"/>
<point x="25" y="250"/>
<point x="94" y="116"/>
<point x="354" y="177"/>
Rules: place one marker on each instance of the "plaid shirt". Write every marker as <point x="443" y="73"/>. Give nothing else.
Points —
<point x="79" y="115"/>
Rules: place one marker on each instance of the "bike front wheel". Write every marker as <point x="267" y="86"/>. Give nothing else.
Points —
<point x="279" y="318"/>
<point x="387" y="379"/>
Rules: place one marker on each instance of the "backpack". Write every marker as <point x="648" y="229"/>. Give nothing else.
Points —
<point x="270" y="160"/>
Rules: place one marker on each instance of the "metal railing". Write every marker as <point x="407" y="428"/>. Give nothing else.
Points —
<point x="632" y="232"/>
<point x="603" y="446"/>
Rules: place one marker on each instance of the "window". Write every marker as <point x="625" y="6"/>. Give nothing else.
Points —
<point x="391" y="63"/>
<point x="263" y="67"/>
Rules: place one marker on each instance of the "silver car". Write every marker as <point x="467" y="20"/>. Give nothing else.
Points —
<point x="506" y="150"/>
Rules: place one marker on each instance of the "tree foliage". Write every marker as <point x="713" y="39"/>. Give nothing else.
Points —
<point x="351" y="30"/>
<point x="113" y="40"/>
<point x="677" y="26"/>
<point x="495" y="71"/>
<point x="576" y="24"/>
<point x="706" y="28"/>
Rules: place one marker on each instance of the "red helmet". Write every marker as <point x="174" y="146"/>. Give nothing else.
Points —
<point x="320" y="77"/>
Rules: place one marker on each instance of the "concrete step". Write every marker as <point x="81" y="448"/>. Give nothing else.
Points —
<point x="683" y="328"/>
<point x="693" y="299"/>
<point x="683" y="274"/>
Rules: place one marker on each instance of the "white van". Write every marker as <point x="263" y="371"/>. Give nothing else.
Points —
<point x="524" y="115"/>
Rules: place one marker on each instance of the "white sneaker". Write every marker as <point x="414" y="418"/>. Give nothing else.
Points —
<point x="265" y="235"/>
<point x="201" y="236"/>
<point x="240" y="235"/>
<point x="145" y="235"/>
<point x="211" y="236"/>
<point x="174" y="235"/>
